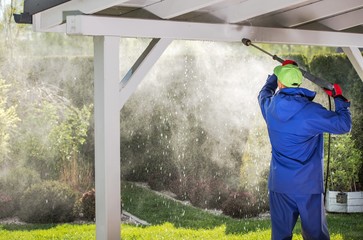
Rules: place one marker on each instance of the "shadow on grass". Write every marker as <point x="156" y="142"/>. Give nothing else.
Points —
<point x="26" y="227"/>
<point x="349" y="225"/>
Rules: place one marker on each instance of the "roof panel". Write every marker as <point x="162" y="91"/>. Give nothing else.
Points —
<point x="345" y="21"/>
<point x="318" y="15"/>
<point x="317" y="11"/>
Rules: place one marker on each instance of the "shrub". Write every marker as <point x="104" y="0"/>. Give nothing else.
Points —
<point x="261" y="193"/>
<point x="209" y="193"/>
<point x="240" y="205"/>
<point x="14" y="184"/>
<point x="47" y="202"/>
<point x="345" y="164"/>
<point x="7" y="206"/>
<point x="88" y="205"/>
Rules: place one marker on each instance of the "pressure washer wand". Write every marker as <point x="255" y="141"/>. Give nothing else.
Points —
<point x="318" y="81"/>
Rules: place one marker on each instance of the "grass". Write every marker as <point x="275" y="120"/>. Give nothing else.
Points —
<point x="46" y="231"/>
<point x="172" y="220"/>
<point x="158" y="210"/>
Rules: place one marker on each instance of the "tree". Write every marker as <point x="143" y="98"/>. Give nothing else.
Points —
<point x="8" y="121"/>
<point x="345" y="163"/>
<point x="68" y="138"/>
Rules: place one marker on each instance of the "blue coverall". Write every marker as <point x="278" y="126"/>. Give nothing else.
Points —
<point x="296" y="125"/>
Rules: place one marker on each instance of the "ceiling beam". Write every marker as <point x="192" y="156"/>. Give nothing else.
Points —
<point x="113" y="26"/>
<point x="171" y="8"/>
<point x="344" y="21"/>
<point x="356" y="58"/>
<point x="249" y="9"/>
<point x="316" y="11"/>
<point x="140" y="3"/>
<point x="56" y="15"/>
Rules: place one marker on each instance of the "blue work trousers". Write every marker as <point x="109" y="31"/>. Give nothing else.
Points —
<point x="285" y="210"/>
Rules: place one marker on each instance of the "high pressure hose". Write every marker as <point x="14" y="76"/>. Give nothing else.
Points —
<point x="318" y="81"/>
<point x="328" y="159"/>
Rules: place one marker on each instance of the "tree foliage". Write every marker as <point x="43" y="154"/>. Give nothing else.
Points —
<point x="68" y="137"/>
<point x="345" y="164"/>
<point x="8" y="121"/>
<point x="336" y="68"/>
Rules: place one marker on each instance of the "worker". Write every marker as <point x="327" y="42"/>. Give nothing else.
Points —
<point x="295" y="126"/>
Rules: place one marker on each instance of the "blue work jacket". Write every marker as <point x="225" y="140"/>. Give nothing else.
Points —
<point x="295" y="126"/>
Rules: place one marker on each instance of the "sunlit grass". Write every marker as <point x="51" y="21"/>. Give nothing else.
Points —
<point x="168" y="231"/>
<point x="164" y="231"/>
<point x="46" y="232"/>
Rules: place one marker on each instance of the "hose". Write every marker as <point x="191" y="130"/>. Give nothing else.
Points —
<point x="328" y="159"/>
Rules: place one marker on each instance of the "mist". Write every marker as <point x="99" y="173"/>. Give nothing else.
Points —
<point x="189" y="128"/>
<point x="206" y="95"/>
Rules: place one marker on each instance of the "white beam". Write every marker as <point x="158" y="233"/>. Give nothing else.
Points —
<point x="171" y="8"/>
<point x="316" y="11"/>
<point x="55" y="16"/>
<point x="139" y="3"/>
<point x="344" y="21"/>
<point x="129" y="83"/>
<point x="37" y="25"/>
<point x="355" y="57"/>
<point x="107" y="138"/>
<point x="249" y="9"/>
<point x="108" y="26"/>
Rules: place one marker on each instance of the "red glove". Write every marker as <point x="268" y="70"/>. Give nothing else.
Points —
<point x="336" y="92"/>
<point x="289" y="62"/>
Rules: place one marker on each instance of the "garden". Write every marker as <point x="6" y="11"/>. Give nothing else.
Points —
<point x="192" y="129"/>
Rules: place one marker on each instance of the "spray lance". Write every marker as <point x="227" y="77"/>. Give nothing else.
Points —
<point x="318" y="81"/>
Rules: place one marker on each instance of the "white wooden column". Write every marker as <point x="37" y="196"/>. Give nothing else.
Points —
<point x="107" y="137"/>
<point x="355" y="57"/>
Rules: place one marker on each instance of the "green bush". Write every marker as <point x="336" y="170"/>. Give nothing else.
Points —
<point x="47" y="202"/>
<point x="336" y="68"/>
<point x="300" y="59"/>
<point x="345" y="164"/>
<point x="14" y="184"/>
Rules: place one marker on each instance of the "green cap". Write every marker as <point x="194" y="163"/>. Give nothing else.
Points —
<point x="289" y="75"/>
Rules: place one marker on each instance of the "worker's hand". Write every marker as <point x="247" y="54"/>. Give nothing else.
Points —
<point x="336" y="92"/>
<point x="287" y="61"/>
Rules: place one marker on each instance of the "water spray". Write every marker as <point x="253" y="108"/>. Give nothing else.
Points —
<point x="318" y="81"/>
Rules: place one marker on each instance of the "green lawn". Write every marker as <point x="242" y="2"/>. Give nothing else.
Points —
<point x="172" y="220"/>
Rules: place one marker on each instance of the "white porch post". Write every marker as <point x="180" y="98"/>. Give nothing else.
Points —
<point x="107" y="137"/>
<point x="355" y="57"/>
